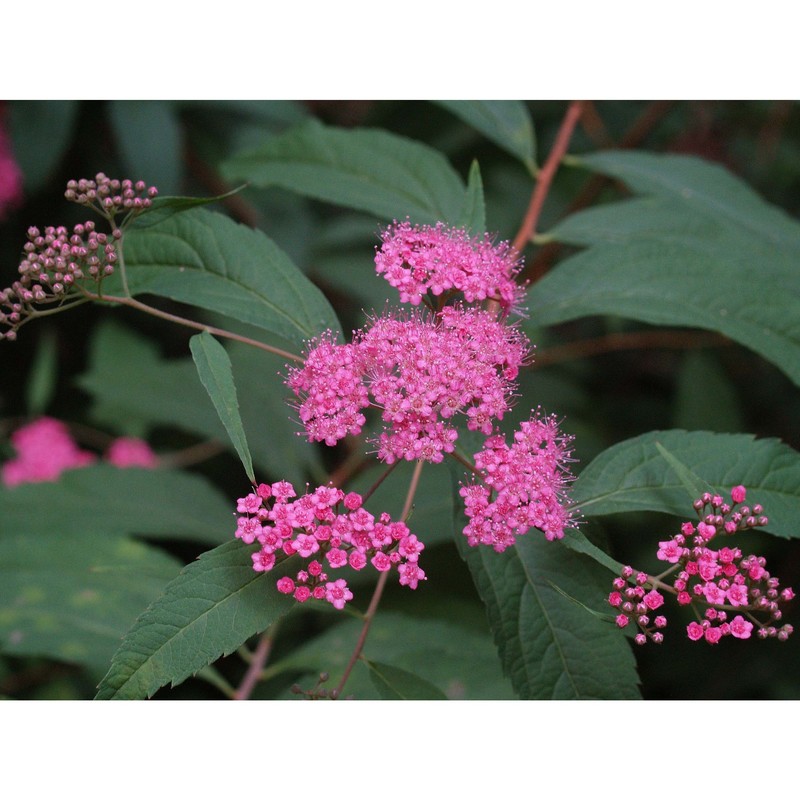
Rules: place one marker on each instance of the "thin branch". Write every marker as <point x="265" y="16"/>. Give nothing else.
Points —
<point x="257" y="664"/>
<point x="378" y="593"/>
<point x="639" y="130"/>
<point x="156" y="312"/>
<point x="546" y="174"/>
<point x="632" y="340"/>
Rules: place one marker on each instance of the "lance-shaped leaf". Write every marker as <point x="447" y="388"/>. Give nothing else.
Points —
<point x="210" y="609"/>
<point x="473" y="212"/>
<point x="634" y="476"/>
<point x="369" y="170"/>
<point x="216" y="374"/>
<point x="701" y="249"/>
<point x="207" y="260"/>
<point x="550" y="646"/>
<point x="506" y="122"/>
<point x="72" y="596"/>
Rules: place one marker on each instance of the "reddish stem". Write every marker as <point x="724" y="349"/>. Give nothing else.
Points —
<point x="253" y="674"/>
<point x="545" y="177"/>
<point x="378" y="593"/>
<point x="634" y="340"/>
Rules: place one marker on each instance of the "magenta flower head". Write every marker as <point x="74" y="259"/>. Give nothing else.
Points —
<point x="417" y="259"/>
<point x="45" y="449"/>
<point x="521" y="486"/>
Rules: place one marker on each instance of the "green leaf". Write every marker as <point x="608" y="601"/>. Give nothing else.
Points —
<point x="111" y="502"/>
<point x="44" y="371"/>
<point x="394" y="683"/>
<point x="473" y="212"/>
<point x="457" y="660"/>
<point x="164" y="207"/>
<point x="215" y="371"/>
<point x="633" y="476"/>
<point x="210" y="609"/>
<point x="72" y="595"/>
<point x="149" y="136"/>
<point x="706" y="398"/>
<point x="133" y="387"/>
<point x="506" y="122"/>
<point x="550" y="646"/>
<point x="700" y="250"/>
<point x="207" y="260"/>
<point x="693" y="484"/>
<point x="41" y="132"/>
<point x="369" y="170"/>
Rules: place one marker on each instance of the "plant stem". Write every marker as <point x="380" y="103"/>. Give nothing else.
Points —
<point x="377" y="594"/>
<point x="139" y="306"/>
<point x="632" y="340"/>
<point x="546" y="174"/>
<point x="253" y="674"/>
<point x="378" y="482"/>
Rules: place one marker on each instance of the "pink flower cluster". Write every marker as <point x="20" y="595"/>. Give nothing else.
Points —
<point x="10" y="173"/>
<point x="420" y="371"/>
<point x="722" y="580"/>
<point x="331" y="528"/>
<point x="521" y="486"/>
<point x="419" y="259"/>
<point x="45" y="449"/>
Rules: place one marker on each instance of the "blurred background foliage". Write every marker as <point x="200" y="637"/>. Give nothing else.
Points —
<point x="615" y="380"/>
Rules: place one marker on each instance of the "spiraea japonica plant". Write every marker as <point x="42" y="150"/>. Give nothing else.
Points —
<point x="419" y="508"/>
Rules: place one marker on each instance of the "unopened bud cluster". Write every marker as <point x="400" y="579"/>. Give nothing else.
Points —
<point x="110" y="196"/>
<point x="732" y="594"/>
<point x="59" y="264"/>
<point x="56" y="262"/>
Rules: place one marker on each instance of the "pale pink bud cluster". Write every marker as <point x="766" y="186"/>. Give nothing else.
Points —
<point x="56" y="262"/>
<point x="521" y="486"/>
<point x="45" y="448"/>
<point x="716" y="582"/>
<point x="417" y="259"/>
<point x="10" y="173"/>
<point x="421" y="371"/>
<point x="330" y="528"/>
<point x="110" y="196"/>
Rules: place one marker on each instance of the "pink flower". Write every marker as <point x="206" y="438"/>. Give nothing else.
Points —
<point x="740" y="627"/>
<point x="737" y="595"/>
<point x="713" y="635"/>
<point x="622" y="620"/>
<point x="337" y="593"/>
<point x="285" y="585"/>
<point x="738" y="494"/>
<point x="669" y="551"/>
<point x="615" y="599"/>
<point x="653" y="600"/>
<point x="263" y="561"/>
<point x="695" y="631"/>
<point x="410" y="575"/>
<point x="128" y="451"/>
